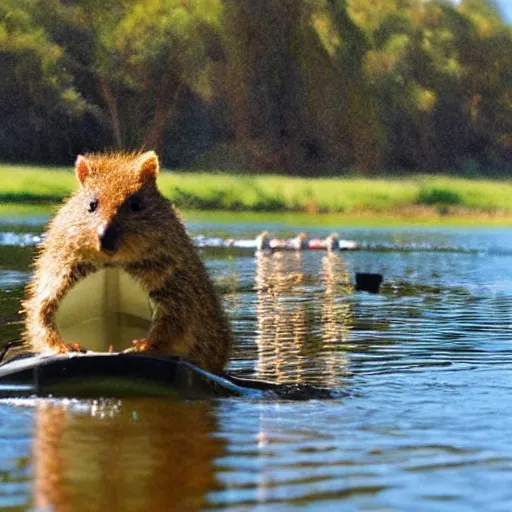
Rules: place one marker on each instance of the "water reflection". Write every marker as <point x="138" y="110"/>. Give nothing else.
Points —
<point x="11" y="321"/>
<point x="299" y="339"/>
<point x="336" y="317"/>
<point x="130" y="456"/>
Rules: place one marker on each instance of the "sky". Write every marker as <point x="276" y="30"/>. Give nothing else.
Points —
<point x="506" y="9"/>
<point x="504" y="5"/>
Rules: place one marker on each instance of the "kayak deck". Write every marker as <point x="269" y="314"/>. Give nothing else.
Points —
<point x="119" y="375"/>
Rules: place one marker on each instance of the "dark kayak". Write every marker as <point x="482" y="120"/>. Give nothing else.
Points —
<point x="94" y="375"/>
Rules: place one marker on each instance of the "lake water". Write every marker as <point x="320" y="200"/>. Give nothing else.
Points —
<point x="421" y="372"/>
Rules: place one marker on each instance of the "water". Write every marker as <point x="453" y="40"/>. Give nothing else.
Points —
<point x="423" y="370"/>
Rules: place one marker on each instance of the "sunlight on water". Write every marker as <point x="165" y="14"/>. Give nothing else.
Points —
<point x="425" y="367"/>
<point x="297" y="341"/>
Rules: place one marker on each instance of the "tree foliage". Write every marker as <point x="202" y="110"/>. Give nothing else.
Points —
<point x="295" y="86"/>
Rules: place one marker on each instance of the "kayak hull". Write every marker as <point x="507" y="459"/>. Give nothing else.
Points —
<point x="112" y="375"/>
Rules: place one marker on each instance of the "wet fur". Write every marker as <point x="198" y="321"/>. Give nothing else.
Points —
<point x="154" y="249"/>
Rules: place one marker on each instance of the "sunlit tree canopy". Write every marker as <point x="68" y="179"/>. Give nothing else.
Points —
<point x="294" y="86"/>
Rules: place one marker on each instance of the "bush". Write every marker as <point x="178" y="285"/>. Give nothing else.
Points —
<point x="438" y="196"/>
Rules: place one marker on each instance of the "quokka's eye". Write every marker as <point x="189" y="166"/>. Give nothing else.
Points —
<point x="135" y="204"/>
<point x="93" y="206"/>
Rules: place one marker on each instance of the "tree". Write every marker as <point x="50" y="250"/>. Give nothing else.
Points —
<point x="140" y="56"/>
<point x="36" y="89"/>
<point x="264" y="82"/>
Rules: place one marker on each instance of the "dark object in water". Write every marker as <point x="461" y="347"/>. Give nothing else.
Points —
<point x="368" y="282"/>
<point x="94" y="375"/>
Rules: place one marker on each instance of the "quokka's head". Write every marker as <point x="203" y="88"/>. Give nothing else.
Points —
<point x="122" y="208"/>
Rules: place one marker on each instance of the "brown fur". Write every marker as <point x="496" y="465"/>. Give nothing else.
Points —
<point x="154" y="248"/>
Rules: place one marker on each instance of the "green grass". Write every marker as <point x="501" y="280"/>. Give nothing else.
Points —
<point x="277" y="193"/>
<point x="418" y="195"/>
<point x="37" y="184"/>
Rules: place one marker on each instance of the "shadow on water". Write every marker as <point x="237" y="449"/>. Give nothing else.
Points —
<point x="10" y="318"/>
<point x="15" y="258"/>
<point x="15" y="263"/>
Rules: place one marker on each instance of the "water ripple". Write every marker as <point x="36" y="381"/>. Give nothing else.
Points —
<point x="426" y="366"/>
<point x="19" y="239"/>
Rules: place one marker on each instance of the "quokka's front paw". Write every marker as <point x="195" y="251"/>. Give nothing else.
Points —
<point x="140" y="345"/>
<point x="64" y="348"/>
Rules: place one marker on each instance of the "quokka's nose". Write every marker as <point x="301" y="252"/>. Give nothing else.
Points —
<point x="109" y="235"/>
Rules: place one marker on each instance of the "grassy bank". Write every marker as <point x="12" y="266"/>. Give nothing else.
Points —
<point x="417" y="196"/>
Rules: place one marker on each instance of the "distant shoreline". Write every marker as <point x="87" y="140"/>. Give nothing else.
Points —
<point x="423" y="199"/>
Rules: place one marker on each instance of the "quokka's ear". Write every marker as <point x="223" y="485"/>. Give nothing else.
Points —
<point x="82" y="169"/>
<point x="148" y="166"/>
